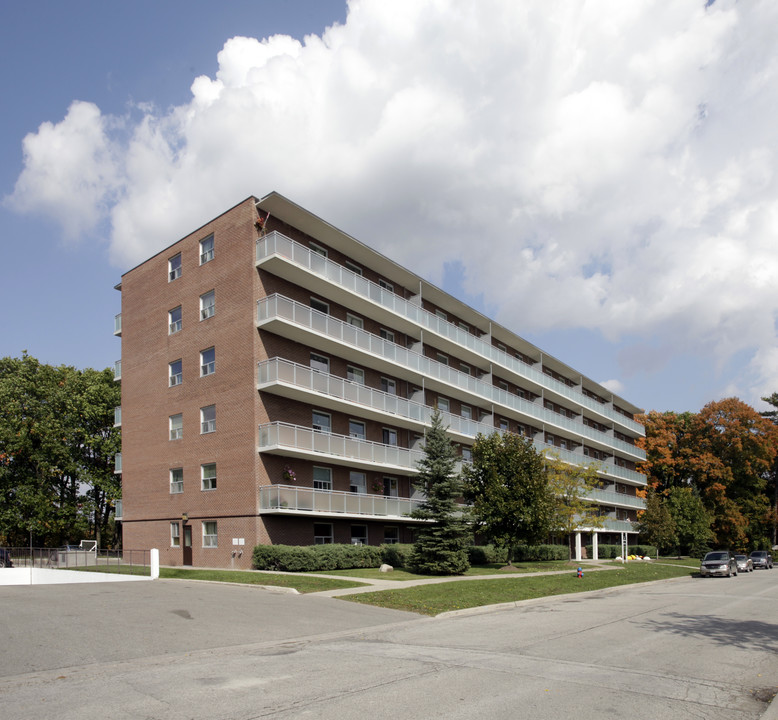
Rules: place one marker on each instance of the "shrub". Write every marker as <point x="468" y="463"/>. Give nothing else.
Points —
<point x="486" y="554"/>
<point x="396" y="554"/>
<point x="310" y="558"/>
<point x="608" y="552"/>
<point x="535" y="553"/>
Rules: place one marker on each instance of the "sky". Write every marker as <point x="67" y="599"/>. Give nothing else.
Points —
<point x="599" y="176"/>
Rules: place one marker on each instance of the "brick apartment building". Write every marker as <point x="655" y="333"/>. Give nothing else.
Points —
<point x="278" y="376"/>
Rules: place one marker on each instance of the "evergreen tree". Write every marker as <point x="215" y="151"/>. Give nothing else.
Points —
<point x="656" y="524"/>
<point x="441" y="541"/>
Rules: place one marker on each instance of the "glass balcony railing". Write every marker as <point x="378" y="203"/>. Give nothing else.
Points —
<point x="366" y="452"/>
<point x="117" y="370"/>
<point x="278" y="307"/>
<point x="117" y="463"/>
<point x="619" y="526"/>
<point x="303" y="377"/>
<point x="117" y="416"/>
<point x="117" y="324"/>
<point x="329" y="502"/>
<point x="276" y="244"/>
<point x="117" y="505"/>
<point x="609" y="497"/>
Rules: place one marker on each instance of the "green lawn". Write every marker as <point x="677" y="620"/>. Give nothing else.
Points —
<point x="443" y="597"/>
<point x="490" y="569"/>
<point x="301" y="583"/>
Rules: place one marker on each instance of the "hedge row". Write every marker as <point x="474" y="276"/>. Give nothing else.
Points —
<point x="605" y="552"/>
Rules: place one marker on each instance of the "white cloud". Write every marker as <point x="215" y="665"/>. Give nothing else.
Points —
<point x="611" y="162"/>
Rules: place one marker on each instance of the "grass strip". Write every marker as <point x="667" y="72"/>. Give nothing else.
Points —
<point x="437" y="598"/>
<point x="490" y="569"/>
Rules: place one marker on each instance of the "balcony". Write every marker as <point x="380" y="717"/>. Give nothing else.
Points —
<point x="299" y="382"/>
<point x="276" y="251"/>
<point x="619" y="526"/>
<point x="117" y="370"/>
<point x="117" y="511"/>
<point x="117" y="416"/>
<point x="291" y="500"/>
<point x="296" y="321"/>
<point x="609" y="497"/>
<point x="303" y="442"/>
<point x="117" y="325"/>
<point x="117" y="463"/>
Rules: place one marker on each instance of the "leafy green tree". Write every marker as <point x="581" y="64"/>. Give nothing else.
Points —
<point x="57" y="443"/>
<point x="656" y="524"/>
<point x="509" y="490"/>
<point x="571" y="485"/>
<point x="771" y="491"/>
<point x="441" y="541"/>
<point x="692" y="521"/>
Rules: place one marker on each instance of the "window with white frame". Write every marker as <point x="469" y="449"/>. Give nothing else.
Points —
<point x="389" y="386"/>
<point x="501" y="346"/>
<point x="206" y="250"/>
<point x="353" y="267"/>
<point x="441" y="315"/>
<point x="467" y="412"/>
<point x="355" y="374"/>
<point x="503" y="424"/>
<point x="389" y="436"/>
<point x="621" y="488"/>
<point x="207" y="362"/>
<point x="387" y="335"/>
<point x="391" y="535"/>
<point x="207" y="305"/>
<point x="464" y="326"/>
<point x="443" y="404"/>
<point x="465" y="368"/>
<point x="175" y="534"/>
<point x="359" y="534"/>
<point x="322" y="422"/>
<point x="355" y="320"/>
<point x="174" y="320"/>
<point x="356" y="429"/>
<point x="208" y="419"/>
<point x="320" y="363"/>
<point x="318" y="249"/>
<point x="442" y="359"/>
<point x="320" y="306"/>
<point x="467" y="454"/>
<point x="386" y="285"/>
<point x="322" y="534"/>
<point x="176" y="481"/>
<point x="502" y="385"/>
<point x="175" y="373"/>
<point x="390" y="487"/>
<point x="174" y="267"/>
<point x="176" y="423"/>
<point x="357" y="482"/>
<point x="208" y="476"/>
<point x="322" y="478"/>
<point x="210" y="534"/>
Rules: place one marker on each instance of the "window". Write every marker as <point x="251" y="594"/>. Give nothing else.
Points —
<point x="391" y="535"/>
<point x="206" y="250"/>
<point x="465" y="368"/>
<point x="359" y="534"/>
<point x="175" y="373"/>
<point x="320" y="306"/>
<point x="322" y="478"/>
<point x="207" y="362"/>
<point x="176" y="426"/>
<point x="503" y="424"/>
<point x="386" y="285"/>
<point x="464" y="326"/>
<point x="442" y="359"/>
<point x="209" y="534"/>
<point x="175" y="535"/>
<point x="467" y="412"/>
<point x="318" y="249"/>
<point x="502" y="347"/>
<point x="550" y="440"/>
<point x="356" y="429"/>
<point x="563" y="444"/>
<point x="441" y="315"/>
<point x="355" y="321"/>
<point x="176" y="480"/>
<point x="443" y="404"/>
<point x="390" y="487"/>
<point x="355" y="374"/>
<point x="322" y="533"/>
<point x="502" y="385"/>
<point x="174" y="267"/>
<point x="320" y="363"/>
<point x="207" y="305"/>
<point x="390" y="436"/>
<point x="389" y="386"/>
<point x="353" y="267"/>
<point x="467" y="454"/>
<point x="174" y="320"/>
<point x="322" y="422"/>
<point x="208" y="476"/>
<point x="357" y="482"/>
<point x="208" y="419"/>
<point x="621" y="488"/>
<point x="622" y="514"/>
<point x="387" y="334"/>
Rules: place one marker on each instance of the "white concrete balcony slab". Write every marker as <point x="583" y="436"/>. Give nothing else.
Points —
<point x="292" y="500"/>
<point x="299" y="322"/>
<point x="295" y="262"/>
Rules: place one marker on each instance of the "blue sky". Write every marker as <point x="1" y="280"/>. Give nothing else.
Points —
<point x="597" y="177"/>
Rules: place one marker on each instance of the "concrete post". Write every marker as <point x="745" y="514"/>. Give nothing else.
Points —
<point x="595" y="547"/>
<point x="578" y="547"/>
<point x="154" y="559"/>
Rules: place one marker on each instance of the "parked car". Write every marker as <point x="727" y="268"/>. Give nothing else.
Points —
<point x="5" y="558"/>
<point x="744" y="564"/>
<point x="718" y="562"/>
<point x="762" y="559"/>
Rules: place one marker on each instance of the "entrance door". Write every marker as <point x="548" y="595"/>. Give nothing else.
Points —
<point x="187" y="544"/>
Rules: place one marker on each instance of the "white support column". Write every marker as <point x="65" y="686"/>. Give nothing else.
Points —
<point x="595" y="547"/>
<point x="578" y="557"/>
<point x="154" y="560"/>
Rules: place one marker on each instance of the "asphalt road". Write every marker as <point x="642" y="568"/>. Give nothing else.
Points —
<point x="688" y="648"/>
